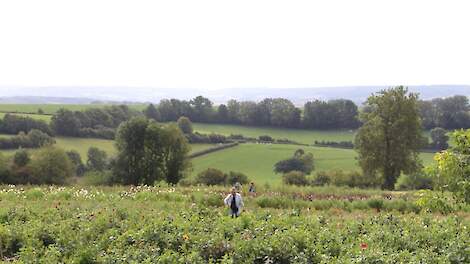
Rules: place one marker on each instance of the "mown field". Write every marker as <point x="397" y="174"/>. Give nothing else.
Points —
<point x="257" y="160"/>
<point x="299" y="135"/>
<point x="191" y="225"/>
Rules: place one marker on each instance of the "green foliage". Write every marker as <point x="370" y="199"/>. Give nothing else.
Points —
<point x="415" y="181"/>
<point x="77" y="162"/>
<point x="21" y="158"/>
<point x="97" y="178"/>
<point x="234" y="177"/>
<point x="149" y="152"/>
<point x="151" y="112"/>
<point x="181" y="225"/>
<point x="185" y="125"/>
<point x="389" y="141"/>
<point x="34" y="139"/>
<point x="439" y="138"/>
<point x="295" y="178"/>
<point x="97" y="159"/>
<point x="301" y="161"/>
<point x="50" y="166"/>
<point x="452" y="168"/>
<point x="345" y="178"/>
<point x="211" y="176"/>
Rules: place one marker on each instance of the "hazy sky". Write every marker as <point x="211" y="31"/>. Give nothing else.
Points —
<point x="227" y="44"/>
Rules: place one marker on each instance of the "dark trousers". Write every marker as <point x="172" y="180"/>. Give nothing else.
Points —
<point x="234" y="212"/>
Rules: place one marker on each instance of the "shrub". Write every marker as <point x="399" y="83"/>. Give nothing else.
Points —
<point x="342" y="178"/>
<point x="299" y="162"/>
<point x="51" y="166"/>
<point x="418" y="181"/>
<point x="21" y="158"/>
<point x="76" y="160"/>
<point x="96" y="178"/>
<point x="265" y="138"/>
<point x="185" y="125"/>
<point x="211" y="176"/>
<point x="97" y="159"/>
<point x="234" y="177"/>
<point x="295" y="178"/>
<point x="34" y="139"/>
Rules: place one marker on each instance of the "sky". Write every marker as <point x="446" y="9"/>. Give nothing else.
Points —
<point x="234" y="44"/>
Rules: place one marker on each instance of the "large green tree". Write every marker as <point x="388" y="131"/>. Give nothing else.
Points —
<point x="388" y="143"/>
<point x="150" y="152"/>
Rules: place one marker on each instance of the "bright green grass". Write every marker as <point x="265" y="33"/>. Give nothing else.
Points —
<point x="52" y="108"/>
<point x="257" y="160"/>
<point x="299" y="135"/>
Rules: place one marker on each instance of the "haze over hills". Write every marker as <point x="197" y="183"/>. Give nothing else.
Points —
<point x="85" y="95"/>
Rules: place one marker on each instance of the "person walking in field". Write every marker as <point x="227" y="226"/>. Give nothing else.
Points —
<point x="235" y="202"/>
<point x="252" y="189"/>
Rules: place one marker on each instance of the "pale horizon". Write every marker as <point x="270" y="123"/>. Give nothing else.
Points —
<point x="215" y="45"/>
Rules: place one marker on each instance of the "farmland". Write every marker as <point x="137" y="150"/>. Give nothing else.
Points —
<point x="82" y="144"/>
<point x="257" y="160"/>
<point x="190" y="225"/>
<point x="299" y="135"/>
<point x="52" y="108"/>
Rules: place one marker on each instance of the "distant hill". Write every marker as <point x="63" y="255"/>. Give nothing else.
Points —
<point x="86" y="95"/>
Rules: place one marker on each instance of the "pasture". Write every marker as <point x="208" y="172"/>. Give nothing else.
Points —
<point x="303" y="136"/>
<point x="257" y="160"/>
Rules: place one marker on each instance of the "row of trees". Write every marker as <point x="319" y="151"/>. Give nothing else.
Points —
<point x="92" y="122"/>
<point x="278" y="112"/>
<point x="14" y="124"/>
<point x="34" y="139"/>
<point x="448" y="113"/>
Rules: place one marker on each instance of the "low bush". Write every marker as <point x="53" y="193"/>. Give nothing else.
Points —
<point x="265" y="138"/>
<point x="97" y="178"/>
<point x="234" y="177"/>
<point x="417" y="181"/>
<point x="206" y="139"/>
<point x="345" y="178"/>
<point x="295" y="178"/>
<point x="211" y="176"/>
<point x="335" y="144"/>
<point x="34" y="139"/>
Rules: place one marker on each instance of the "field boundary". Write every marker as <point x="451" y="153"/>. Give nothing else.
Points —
<point x="213" y="149"/>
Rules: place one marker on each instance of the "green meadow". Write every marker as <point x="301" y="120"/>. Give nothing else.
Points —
<point x="257" y="160"/>
<point x="299" y="135"/>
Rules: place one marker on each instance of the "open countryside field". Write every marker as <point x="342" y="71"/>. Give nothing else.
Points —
<point x="299" y="135"/>
<point x="190" y="225"/>
<point x="83" y="144"/>
<point x="257" y="160"/>
<point x="52" y="108"/>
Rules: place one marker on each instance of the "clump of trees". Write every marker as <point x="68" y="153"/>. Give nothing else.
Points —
<point x="448" y="113"/>
<point x="212" y="176"/>
<point x="390" y="138"/>
<point x="149" y="152"/>
<point x="34" y="139"/>
<point x="49" y="165"/>
<point x="92" y="122"/>
<point x="300" y="161"/>
<point x="14" y="124"/>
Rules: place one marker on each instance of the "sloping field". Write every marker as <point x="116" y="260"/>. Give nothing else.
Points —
<point x="300" y="135"/>
<point x="257" y="160"/>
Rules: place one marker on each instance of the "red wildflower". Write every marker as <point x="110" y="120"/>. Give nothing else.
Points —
<point x="364" y="246"/>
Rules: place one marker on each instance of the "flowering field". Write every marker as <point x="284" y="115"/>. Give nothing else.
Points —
<point x="183" y="225"/>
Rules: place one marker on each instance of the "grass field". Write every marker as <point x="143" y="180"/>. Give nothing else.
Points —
<point x="299" y="135"/>
<point x="82" y="144"/>
<point x="52" y="108"/>
<point x="257" y="160"/>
